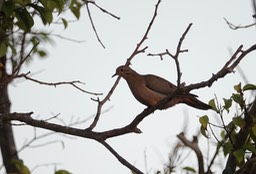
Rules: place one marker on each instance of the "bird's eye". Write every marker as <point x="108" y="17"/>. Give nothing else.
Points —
<point x="121" y="70"/>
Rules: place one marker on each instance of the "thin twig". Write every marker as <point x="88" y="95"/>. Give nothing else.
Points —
<point x="235" y="27"/>
<point x="46" y="143"/>
<point x="22" y="60"/>
<point x="136" y="51"/>
<point x="145" y="36"/>
<point x="132" y="127"/>
<point x="178" y="51"/>
<point x="44" y="165"/>
<point x="93" y="26"/>
<point x="219" y="145"/>
<point x="102" y="9"/>
<point x="72" y="83"/>
<point x="176" y="55"/>
<point x="120" y="158"/>
<point x="66" y="38"/>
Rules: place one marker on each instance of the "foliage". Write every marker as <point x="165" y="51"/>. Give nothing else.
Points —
<point x="236" y="137"/>
<point x="18" y="24"/>
<point x="62" y="172"/>
<point x="23" y="169"/>
<point x="231" y="139"/>
<point x="20" y="40"/>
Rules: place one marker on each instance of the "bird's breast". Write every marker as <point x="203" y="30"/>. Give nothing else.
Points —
<point x="145" y="95"/>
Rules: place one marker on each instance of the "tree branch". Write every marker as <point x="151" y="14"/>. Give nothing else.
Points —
<point x="132" y="127"/>
<point x="102" y="9"/>
<point x="93" y="26"/>
<point x="228" y="68"/>
<point x="194" y="146"/>
<point x="26" y="118"/>
<point x="176" y="55"/>
<point x="136" y="51"/>
<point x="235" y="27"/>
<point x="72" y="83"/>
<point x="120" y="158"/>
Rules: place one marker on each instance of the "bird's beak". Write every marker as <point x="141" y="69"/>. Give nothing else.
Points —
<point x="114" y="75"/>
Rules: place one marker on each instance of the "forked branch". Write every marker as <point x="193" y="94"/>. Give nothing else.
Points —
<point x="136" y="51"/>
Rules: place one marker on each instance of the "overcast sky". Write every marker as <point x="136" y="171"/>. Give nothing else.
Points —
<point x="209" y="42"/>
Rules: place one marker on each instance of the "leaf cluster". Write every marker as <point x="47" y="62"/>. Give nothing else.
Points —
<point x="238" y="136"/>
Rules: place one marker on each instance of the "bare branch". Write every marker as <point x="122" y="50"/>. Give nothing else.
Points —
<point x="46" y="143"/>
<point x="102" y="9"/>
<point x="137" y="50"/>
<point x="120" y="158"/>
<point x="72" y="83"/>
<point x="26" y="118"/>
<point x="235" y="27"/>
<point x="93" y="26"/>
<point x="176" y="55"/>
<point x="44" y="165"/>
<point x="194" y="146"/>
<point x="228" y="68"/>
<point x="23" y="59"/>
<point x="66" y="38"/>
<point x="145" y="36"/>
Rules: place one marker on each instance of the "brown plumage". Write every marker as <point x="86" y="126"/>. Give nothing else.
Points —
<point x="150" y="89"/>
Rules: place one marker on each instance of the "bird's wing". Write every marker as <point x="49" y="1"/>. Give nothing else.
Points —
<point x="158" y="84"/>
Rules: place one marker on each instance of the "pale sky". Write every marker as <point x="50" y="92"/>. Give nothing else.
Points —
<point x="208" y="42"/>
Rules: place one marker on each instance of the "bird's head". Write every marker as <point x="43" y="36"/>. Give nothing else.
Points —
<point x="123" y="71"/>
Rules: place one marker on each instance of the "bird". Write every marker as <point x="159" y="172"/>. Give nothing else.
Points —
<point x="150" y="89"/>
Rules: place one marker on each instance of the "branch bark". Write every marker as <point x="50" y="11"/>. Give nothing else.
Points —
<point x="194" y="146"/>
<point x="7" y="143"/>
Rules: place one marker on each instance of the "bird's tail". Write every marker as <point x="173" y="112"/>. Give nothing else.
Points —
<point x="192" y="101"/>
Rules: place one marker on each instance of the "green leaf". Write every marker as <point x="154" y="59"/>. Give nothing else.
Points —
<point x="23" y="169"/>
<point x="8" y="8"/>
<point x="51" y="5"/>
<point x="239" y="155"/>
<point x="204" y="120"/>
<point x="227" y="147"/>
<point x="238" y="99"/>
<point x="75" y="8"/>
<point x="238" y="88"/>
<point x="254" y="129"/>
<point x="65" y="23"/>
<point x="213" y="105"/>
<point x="25" y="21"/>
<point x="62" y="172"/>
<point x="19" y="2"/>
<point x="223" y="134"/>
<point x="3" y="49"/>
<point x="42" y="53"/>
<point x="239" y="121"/>
<point x="189" y="169"/>
<point x="249" y="87"/>
<point x="250" y="147"/>
<point x="203" y="132"/>
<point x="44" y="2"/>
<point x="45" y="14"/>
<point x="227" y="104"/>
